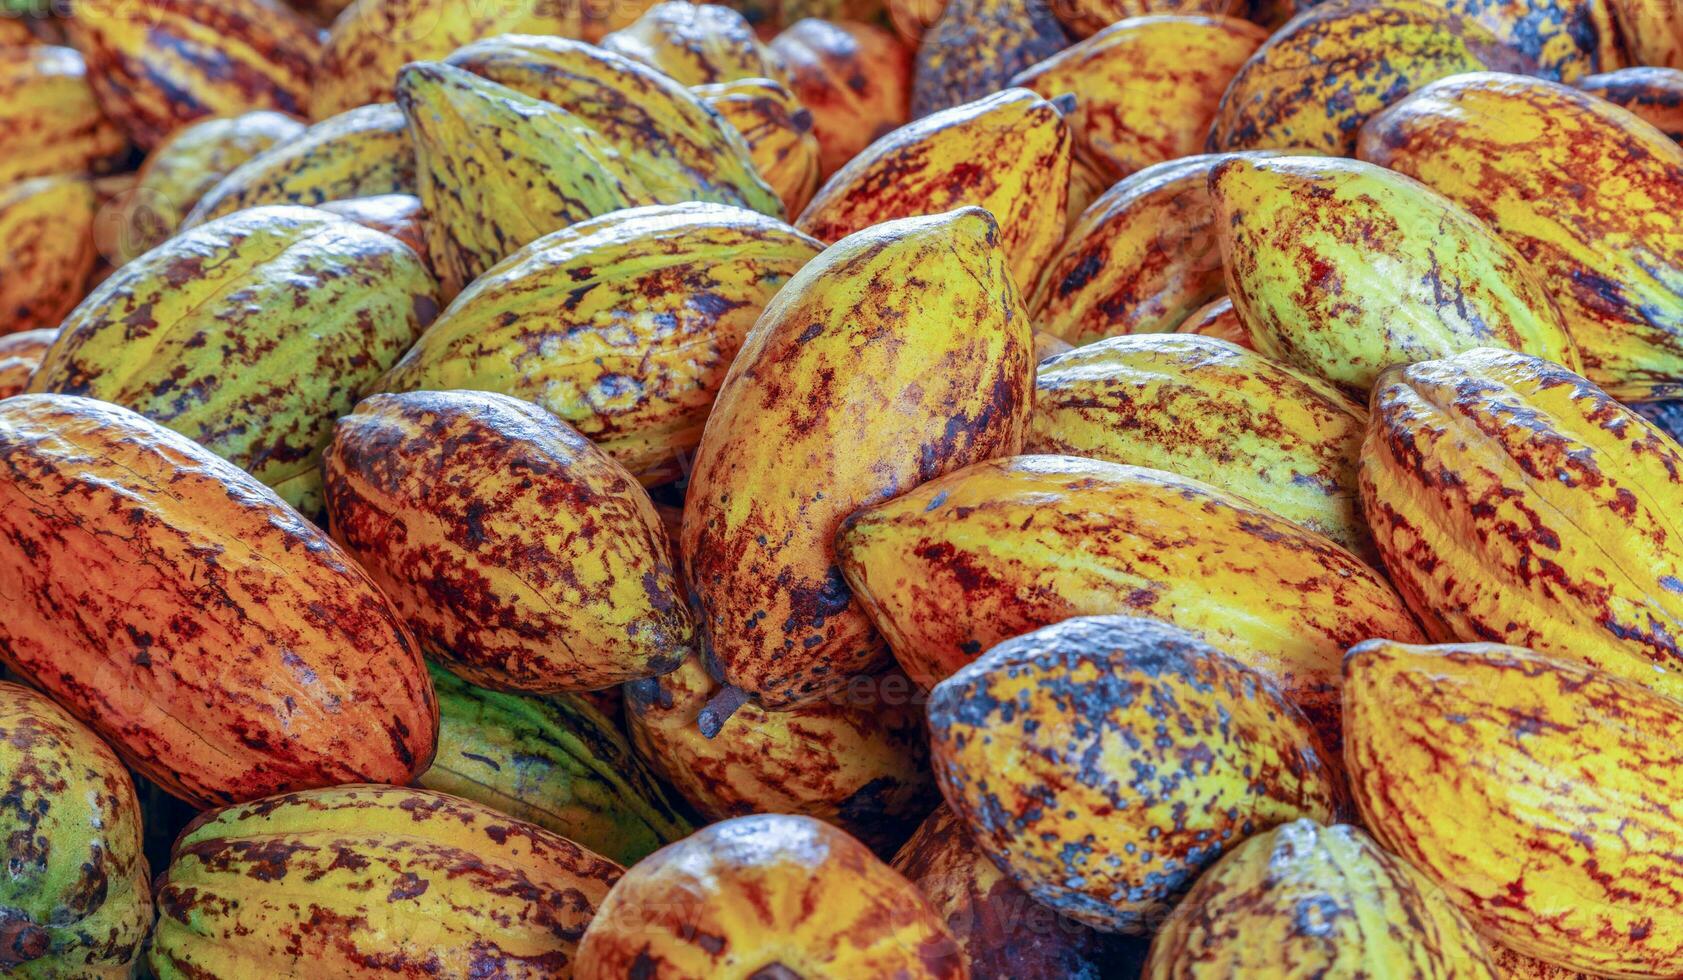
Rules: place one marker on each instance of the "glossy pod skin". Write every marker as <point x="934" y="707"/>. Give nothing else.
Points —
<point x="373" y="881"/>
<point x="553" y="761"/>
<point x="855" y="79"/>
<point x="1319" y="77"/>
<point x="1343" y="269"/>
<point x="859" y="759"/>
<point x="696" y="44"/>
<point x="1008" y="153"/>
<point x="1146" y="88"/>
<point x="47" y="232"/>
<point x="1306" y="900"/>
<point x="1284" y="440"/>
<point x="1220" y="320"/>
<point x="1004" y="933"/>
<point x="831" y="406"/>
<point x="700" y="908"/>
<point x="50" y="121"/>
<point x="1516" y="502"/>
<point x="1141" y="259"/>
<point x="778" y="130"/>
<point x="399" y="215"/>
<point x="1535" y="791"/>
<point x="498" y="169"/>
<point x="1654" y="94"/>
<point x="362" y="153"/>
<point x="1612" y="261"/>
<point x="998" y="549"/>
<point x="623" y="326"/>
<point x="522" y="556"/>
<point x="259" y="330"/>
<point x="157" y="65"/>
<point x="1085" y="18"/>
<point x="223" y="645"/>
<point x="1566" y="39"/>
<point x="76" y="899"/>
<point x="663" y="132"/>
<point x="976" y="47"/>
<point x="1104" y="761"/>
<point x="20" y="355"/>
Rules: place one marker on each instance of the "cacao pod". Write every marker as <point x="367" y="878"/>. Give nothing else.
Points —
<point x="1517" y="966"/>
<point x="1004" y="933"/>
<point x="250" y="335"/>
<point x="1318" y="78"/>
<point x="522" y="556"/>
<point x="700" y="908"/>
<point x="778" y="131"/>
<point x="1219" y="320"/>
<point x="1049" y="747"/>
<point x="857" y="759"/>
<point x="1514" y="501"/>
<point x="662" y="131"/>
<point x="1536" y="792"/>
<point x="1283" y="440"/>
<point x="1653" y="94"/>
<point x="363" y="153"/>
<point x="20" y="355"/>
<point x="1046" y="345"/>
<point x="372" y="881"/>
<point x="913" y="18"/>
<point x="1007" y="546"/>
<point x="47" y="235"/>
<point x="76" y="900"/>
<point x="623" y="326"/>
<point x="976" y="47"/>
<point x="1086" y="182"/>
<point x="854" y="79"/>
<point x="1344" y="269"/>
<point x="1611" y="261"/>
<point x="498" y="169"/>
<point x="1008" y="153"/>
<point x="831" y="406"/>
<point x="697" y="44"/>
<point x="1666" y="415"/>
<point x="1295" y="902"/>
<point x="222" y="644"/>
<point x="50" y="121"/>
<point x="157" y="65"/>
<point x="1146" y="88"/>
<point x="552" y="761"/>
<point x="1652" y="29"/>
<point x="397" y="215"/>
<point x="1565" y="39"/>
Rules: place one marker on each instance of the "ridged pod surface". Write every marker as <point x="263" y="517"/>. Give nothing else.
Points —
<point x="373" y="881"/>
<point x="1516" y="502"/>
<point x="855" y="79"/>
<point x="1566" y="39"/>
<point x="185" y="167"/>
<point x="373" y="39"/>
<point x="157" y="65"/>
<point x="697" y="44"/>
<point x="1146" y="88"/>
<point x="1538" y="793"/>
<point x="1003" y="932"/>
<point x="1345" y="269"/>
<point x="362" y="153"/>
<point x="76" y="900"/>
<point x="522" y="556"/>
<point x="896" y="355"/>
<point x="1141" y="259"/>
<point x="50" y="122"/>
<point x="20" y="355"/>
<point x="1653" y="94"/>
<point x="1008" y="153"/>
<point x="249" y="335"/>
<point x="977" y="47"/>
<point x="498" y="169"/>
<point x="857" y="759"/>
<point x="662" y="131"/>
<point x="766" y="896"/>
<point x="47" y="236"/>
<point x="222" y="644"/>
<point x="623" y="326"/>
<point x="1105" y="761"/>
<point x="1008" y="546"/>
<point x="553" y="761"/>
<point x="1286" y="441"/>
<point x="1319" y="77"/>
<point x="1515" y="152"/>
<point x="1306" y="900"/>
<point x="1218" y="319"/>
<point x="1652" y="30"/>
<point x="778" y="131"/>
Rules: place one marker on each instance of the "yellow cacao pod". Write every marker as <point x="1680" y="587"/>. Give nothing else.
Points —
<point x="778" y="130"/>
<point x="50" y="121"/>
<point x="47" y="235"/>
<point x="1654" y="94"/>
<point x="697" y="44"/>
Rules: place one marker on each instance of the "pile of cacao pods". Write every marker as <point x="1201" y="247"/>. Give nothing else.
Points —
<point x="835" y="489"/>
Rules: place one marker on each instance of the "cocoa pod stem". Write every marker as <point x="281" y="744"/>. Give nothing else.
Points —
<point x="719" y="708"/>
